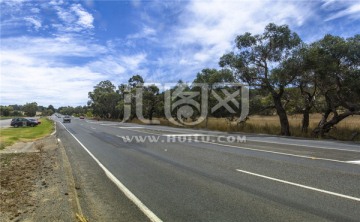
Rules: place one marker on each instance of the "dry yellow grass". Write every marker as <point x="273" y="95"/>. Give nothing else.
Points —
<point x="270" y="125"/>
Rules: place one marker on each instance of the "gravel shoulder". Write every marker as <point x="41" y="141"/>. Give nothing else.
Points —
<point x="35" y="184"/>
<point x="53" y="180"/>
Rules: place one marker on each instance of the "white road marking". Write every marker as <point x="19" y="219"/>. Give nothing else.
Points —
<point x="58" y="140"/>
<point x="300" y="185"/>
<point x="183" y="135"/>
<point x="354" y="161"/>
<point x="93" y="128"/>
<point x="262" y="141"/>
<point x="295" y="144"/>
<point x="120" y="185"/>
<point x="259" y="150"/>
<point x="131" y="127"/>
<point x="53" y="133"/>
<point x="110" y="124"/>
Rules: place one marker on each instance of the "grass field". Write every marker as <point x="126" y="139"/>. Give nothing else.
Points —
<point x="270" y="125"/>
<point x="9" y="136"/>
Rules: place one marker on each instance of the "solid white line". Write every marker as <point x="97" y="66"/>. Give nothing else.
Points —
<point x="308" y="146"/>
<point x="131" y="127"/>
<point x="354" y="161"/>
<point x="300" y="185"/>
<point x="257" y="150"/>
<point x="53" y="133"/>
<point x="274" y="152"/>
<point x="121" y="186"/>
<point x="183" y="135"/>
<point x="264" y="141"/>
<point x="110" y="124"/>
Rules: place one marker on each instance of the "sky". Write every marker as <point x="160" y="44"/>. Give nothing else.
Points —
<point x="55" y="52"/>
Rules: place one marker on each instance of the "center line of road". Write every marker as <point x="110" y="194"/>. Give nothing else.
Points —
<point x="300" y="185"/>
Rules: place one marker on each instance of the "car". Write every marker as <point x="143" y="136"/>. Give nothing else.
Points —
<point x="35" y="120"/>
<point x="67" y="119"/>
<point x="82" y="117"/>
<point x="16" y="122"/>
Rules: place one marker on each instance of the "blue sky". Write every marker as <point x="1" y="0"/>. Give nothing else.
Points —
<point x="54" y="52"/>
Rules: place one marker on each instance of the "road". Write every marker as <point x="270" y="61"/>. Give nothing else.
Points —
<point x="265" y="178"/>
<point x="5" y="123"/>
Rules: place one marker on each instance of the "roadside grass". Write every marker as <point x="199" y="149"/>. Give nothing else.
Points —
<point x="5" y="117"/>
<point x="10" y="136"/>
<point x="345" y="130"/>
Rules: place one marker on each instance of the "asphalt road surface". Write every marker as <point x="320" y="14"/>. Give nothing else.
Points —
<point x="214" y="178"/>
<point x="5" y="123"/>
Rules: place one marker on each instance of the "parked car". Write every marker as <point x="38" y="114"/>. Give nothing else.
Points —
<point x="35" y="120"/>
<point x="16" y="122"/>
<point x="67" y="119"/>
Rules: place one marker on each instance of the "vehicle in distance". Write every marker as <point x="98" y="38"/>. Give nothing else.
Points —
<point x="16" y="122"/>
<point x="67" y="119"/>
<point x="82" y="117"/>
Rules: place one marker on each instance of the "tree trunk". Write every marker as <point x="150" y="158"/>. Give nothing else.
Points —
<point x="284" y="122"/>
<point x="326" y="126"/>
<point x="305" y="120"/>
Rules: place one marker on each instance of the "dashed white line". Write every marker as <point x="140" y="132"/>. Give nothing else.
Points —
<point x="300" y="185"/>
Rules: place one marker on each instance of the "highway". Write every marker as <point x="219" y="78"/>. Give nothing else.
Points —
<point x="178" y="178"/>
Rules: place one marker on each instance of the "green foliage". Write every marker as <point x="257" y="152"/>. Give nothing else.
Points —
<point x="30" y="109"/>
<point x="268" y="62"/>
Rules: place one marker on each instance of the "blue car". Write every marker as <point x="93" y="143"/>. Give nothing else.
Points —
<point x="16" y="122"/>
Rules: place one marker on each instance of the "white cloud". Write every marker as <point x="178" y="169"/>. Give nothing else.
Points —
<point x="146" y="32"/>
<point x="33" y="69"/>
<point x="133" y="62"/>
<point x="85" y="19"/>
<point x="36" y="23"/>
<point x="73" y="19"/>
<point x="352" y="10"/>
<point x="207" y="29"/>
<point x="37" y="69"/>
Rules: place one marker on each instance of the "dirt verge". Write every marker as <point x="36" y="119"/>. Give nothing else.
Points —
<point x="35" y="183"/>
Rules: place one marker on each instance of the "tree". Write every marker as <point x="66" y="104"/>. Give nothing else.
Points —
<point x="51" y="107"/>
<point x="30" y="109"/>
<point x="261" y="62"/>
<point x="150" y="100"/>
<point x="103" y="100"/>
<point x="6" y="110"/>
<point x="336" y="68"/>
<point x="211" y="77"/>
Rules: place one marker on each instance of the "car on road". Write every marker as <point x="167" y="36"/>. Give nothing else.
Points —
<point x="16" y="122"/>
<point x="82" y="117"/>
<point x="67" y="119"/>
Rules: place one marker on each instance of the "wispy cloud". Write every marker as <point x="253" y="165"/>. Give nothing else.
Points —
<point x="74" y="18"/>
<point x="35" y="23"/>
<point x="350" y="9"/>
<point x="205" y="30"/>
